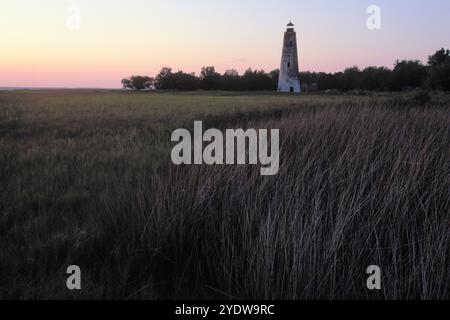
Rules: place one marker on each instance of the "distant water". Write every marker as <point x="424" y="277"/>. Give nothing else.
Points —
<point x="13" y="88"/>
<point x="26" y="88"/>
<point x="49" y="88"/>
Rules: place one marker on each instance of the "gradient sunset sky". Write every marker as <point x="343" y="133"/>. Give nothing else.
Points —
<point x="118" y="38"/>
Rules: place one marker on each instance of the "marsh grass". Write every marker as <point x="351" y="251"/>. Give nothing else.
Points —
<point x="86" y="179"/>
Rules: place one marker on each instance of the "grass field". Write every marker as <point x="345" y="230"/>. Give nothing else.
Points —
<point x="86" y="179"/>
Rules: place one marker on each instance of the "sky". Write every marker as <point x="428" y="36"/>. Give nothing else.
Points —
<point x="96" y="43"/>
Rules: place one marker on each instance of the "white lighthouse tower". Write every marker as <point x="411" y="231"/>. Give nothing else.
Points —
<point x="289" y="72"/>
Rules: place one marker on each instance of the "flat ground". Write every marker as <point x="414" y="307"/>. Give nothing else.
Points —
<point x="86" y="179"/>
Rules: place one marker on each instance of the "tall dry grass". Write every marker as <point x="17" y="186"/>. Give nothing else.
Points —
<point x="363" y="181"/>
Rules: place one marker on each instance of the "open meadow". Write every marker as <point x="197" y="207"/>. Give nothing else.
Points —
<point x="86" y="179"/>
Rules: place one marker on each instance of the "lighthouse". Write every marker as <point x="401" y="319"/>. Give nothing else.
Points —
<point x="289" y="80"/>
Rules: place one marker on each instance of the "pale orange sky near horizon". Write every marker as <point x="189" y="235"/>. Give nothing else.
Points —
<point x="116" y="39"/>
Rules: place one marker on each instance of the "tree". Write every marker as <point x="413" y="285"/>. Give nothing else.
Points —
<point x="138" y="83"/>
<point x="127" y="83"/>
<point x="328" y="81"/>
<point x="274" y="76"/>
<point x="440" y="57"/>
<point x="350" y="79"/>
<point x="230" y="80"/>
<point x="408" y="74"/>
<point x="168" y="80"/>
<point x="254" y="80"/>
<point x="209" y="78"/>
<point x="440" y="70"/>
<point x="307" y="78"/>
<point x="163" y="79"/>
<point x="374" y="78"/>
<point x="184" y="81"/>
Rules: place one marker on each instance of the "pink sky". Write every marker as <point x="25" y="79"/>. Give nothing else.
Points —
<point x="115" y="40"/>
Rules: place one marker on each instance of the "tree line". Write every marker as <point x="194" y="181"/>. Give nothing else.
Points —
<point x="209" y="79"/>
<point x="406" y="74"/>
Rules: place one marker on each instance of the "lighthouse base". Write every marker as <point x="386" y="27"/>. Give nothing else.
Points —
<point x="292" y="86"/>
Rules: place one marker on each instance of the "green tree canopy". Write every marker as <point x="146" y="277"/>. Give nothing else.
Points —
<point x="138" y="83"/>
<point x="440" y="70"/>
